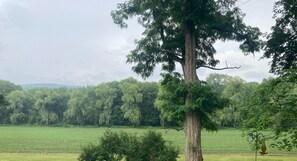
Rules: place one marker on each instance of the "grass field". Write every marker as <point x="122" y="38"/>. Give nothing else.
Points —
<point x="63" y="144"/>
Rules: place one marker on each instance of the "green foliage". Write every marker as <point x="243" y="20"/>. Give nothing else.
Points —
<point x="238" y="91"/>
<point x="173" y="92"/>
<point x="218" y="82"/>
<point x="274" y="105"/>
<point x="4" y="111"/>
<point x="51" y="105"/>
<point x="282" y="45"/>
<point x="118" y="146"/>
<point x="18" y="104"/>
<point x="131" y="99"/>
<point x="6" y="87"/>
<point x="149" y="113"/>
<point x="164" y="43"/>
<point x="106" y="95"/>
<point x="2" y="100"/>
<point x="18" y="118"/>
<point x="77" y="106"/>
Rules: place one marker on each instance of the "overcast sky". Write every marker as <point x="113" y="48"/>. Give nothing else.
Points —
<point x="75" y="42"/>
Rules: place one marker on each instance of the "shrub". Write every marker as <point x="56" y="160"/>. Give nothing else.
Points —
<point x="123" y="146"/>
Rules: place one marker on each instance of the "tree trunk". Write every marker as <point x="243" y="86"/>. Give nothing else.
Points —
<point x="193" y="151"/>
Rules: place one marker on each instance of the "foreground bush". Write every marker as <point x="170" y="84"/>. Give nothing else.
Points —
<point x="123" y="146"/>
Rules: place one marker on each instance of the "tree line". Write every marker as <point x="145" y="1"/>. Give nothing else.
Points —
<point x="122" y="103"/>
<point x="128" y="102"/>
<point x="252" y="106"/>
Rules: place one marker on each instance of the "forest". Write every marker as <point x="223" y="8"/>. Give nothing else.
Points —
<point x="127" y="102"/>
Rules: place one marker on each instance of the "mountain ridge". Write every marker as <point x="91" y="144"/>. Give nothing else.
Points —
<point x="46" y="85"/>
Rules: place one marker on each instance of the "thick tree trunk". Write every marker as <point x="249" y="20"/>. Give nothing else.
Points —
<point x="193" y="151"/>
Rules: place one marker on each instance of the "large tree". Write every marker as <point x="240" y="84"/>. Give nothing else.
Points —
<point x="184" y="32"/>
<point x="105" y="102"/>
<point x="17" y="104"/>
<point x="281" y="45"/>
<point x="51" y="105"/>
<point x="131" y="100"/>
<point x="77" y="107"/>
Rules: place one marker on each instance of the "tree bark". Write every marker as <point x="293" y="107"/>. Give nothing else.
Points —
<point x="193" y="151"/>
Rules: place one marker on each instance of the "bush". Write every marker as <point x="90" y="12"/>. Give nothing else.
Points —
<point x="123" y="146"/>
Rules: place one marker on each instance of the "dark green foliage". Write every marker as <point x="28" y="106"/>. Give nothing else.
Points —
<point x="171" y="100"/>
<point x="282" y="42"/>
<point x="4" y="112"/>
<point x="155" y="148"/>
<point x="3" y="101"/>
<point x="274" y="105"/>
<point x="149" y="113"/>
<point x="164" y="23"/>
<point x="118" y="146"/>
<point x="89" y="153"/>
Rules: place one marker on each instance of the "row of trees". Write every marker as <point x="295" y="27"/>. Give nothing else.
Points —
<point x="128" y="102"/>
<point x="253" y="106"/>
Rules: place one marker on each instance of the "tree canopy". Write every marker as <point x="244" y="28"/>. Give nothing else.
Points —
<point x="164" y="23"/>
<point x="281" y="45"/>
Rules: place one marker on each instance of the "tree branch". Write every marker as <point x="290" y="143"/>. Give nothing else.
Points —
<point x="173" y="55"/>
<point x="213" y="68"/>
<point x="228" y="30"/>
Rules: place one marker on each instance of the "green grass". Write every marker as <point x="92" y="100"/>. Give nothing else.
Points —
<point x="73" y="157"/>
<point x="37" y="157"/>
<point x="59" y="143"/>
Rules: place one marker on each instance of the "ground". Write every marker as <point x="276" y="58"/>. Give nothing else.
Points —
<point x="29" y="143"/>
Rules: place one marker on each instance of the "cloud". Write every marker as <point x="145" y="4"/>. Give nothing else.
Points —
<point x="76" y="42"/>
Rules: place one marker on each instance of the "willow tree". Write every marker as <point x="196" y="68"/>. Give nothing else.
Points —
<point x="105" y="102"/>
<point x="184" y="32"/>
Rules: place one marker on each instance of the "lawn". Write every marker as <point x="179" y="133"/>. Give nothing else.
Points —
<point x="73" y="157"/>
<point x="64" y="144"/>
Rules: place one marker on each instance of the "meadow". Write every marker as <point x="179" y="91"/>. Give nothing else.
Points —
<point x="29" y="143"/>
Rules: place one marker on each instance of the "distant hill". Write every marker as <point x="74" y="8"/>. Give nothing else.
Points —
<point x="45" y="85"/>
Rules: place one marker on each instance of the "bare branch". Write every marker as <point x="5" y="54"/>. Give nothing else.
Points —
<point x="213" y="68"/>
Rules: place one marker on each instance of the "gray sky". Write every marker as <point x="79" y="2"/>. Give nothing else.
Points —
<point x="75" y="42"/>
